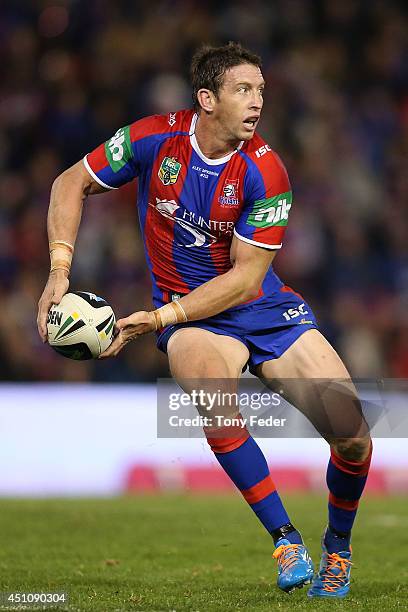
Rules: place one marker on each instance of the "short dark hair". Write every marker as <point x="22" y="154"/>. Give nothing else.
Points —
<point x="209" y="65"/>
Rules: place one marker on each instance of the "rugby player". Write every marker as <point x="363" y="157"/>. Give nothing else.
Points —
<point x="213" y="202"/>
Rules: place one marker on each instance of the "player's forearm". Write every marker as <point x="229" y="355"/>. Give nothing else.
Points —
<point x="220" y="293"/>
<point x="65" y="210"/>
<point x="240" y="284"/>
<point x="64" y="216"/>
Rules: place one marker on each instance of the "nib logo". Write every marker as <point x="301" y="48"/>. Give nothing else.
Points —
<point x="271" y="212"/>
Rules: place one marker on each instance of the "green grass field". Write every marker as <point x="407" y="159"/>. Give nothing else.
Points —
<point x="170" y="552"/>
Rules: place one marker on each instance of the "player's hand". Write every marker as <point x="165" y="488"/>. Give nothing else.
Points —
<point x="56" y="287"/>
<point x="128" y="329"/>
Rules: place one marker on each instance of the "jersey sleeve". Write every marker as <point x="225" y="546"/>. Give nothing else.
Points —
<point x="268" y="199"/>
<point x="122" y="158"/>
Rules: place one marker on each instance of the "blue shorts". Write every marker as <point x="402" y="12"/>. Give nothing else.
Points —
<point x="267" y="327"/>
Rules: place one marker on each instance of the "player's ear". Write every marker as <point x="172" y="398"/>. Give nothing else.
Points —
<point x="206" y="99"/>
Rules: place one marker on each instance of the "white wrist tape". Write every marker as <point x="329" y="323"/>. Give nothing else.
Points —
<point x="169" y="314"/>
<point x="61" y="253"/>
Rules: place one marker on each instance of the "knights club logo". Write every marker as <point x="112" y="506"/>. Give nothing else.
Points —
<point x="169" y="170"/>
<point x="230" y="193"/>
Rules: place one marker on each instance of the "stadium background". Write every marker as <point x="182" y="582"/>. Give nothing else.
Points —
<point x="336" y="109"/>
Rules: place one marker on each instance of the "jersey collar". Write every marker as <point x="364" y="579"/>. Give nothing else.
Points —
<point x="207" y="160"/>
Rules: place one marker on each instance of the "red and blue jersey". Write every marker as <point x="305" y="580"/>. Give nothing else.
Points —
<point x="190" y="206"/>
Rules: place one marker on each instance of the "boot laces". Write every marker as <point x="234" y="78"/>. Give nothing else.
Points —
<point x="287" y="555"/>
<point x="334" y="574"/>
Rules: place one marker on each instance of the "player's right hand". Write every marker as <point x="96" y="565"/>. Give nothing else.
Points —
<point x="128" y="329"/>
<point x="56" y="287"/>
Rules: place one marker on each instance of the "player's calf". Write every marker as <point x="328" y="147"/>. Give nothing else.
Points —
<point x="346" y="478"/>
<point x="243" y="461"/>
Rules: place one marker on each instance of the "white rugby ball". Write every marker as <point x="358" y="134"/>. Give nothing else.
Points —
<point x="81" y="326"/>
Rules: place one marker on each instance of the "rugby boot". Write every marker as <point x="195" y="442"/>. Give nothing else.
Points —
<point x="295" y="567"/>
<point x="333" y="579"/>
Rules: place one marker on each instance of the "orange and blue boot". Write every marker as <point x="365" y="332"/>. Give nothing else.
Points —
<point x="333" y="579"/>
<point x="295" y="567"/>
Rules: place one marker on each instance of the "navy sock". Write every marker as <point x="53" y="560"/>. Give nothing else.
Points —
<point x="243" y="461"/>
<point x="335" y="541"/>
<point x="346" y="481"/>
<point x="287" y="532"/>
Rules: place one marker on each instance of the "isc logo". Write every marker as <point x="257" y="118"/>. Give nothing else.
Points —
<point x="262" y="150"/>
<point x="293" y="313"/>
<point x="54" y="317"/>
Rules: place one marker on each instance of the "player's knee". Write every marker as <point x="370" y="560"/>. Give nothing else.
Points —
<point x="353" y="449"/>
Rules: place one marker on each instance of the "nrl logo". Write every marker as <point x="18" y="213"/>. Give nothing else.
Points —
<point x="169" y="170"/>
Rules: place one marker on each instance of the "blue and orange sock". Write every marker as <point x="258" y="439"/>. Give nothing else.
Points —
<point x="242" y="459"/>
<point x="346" y="481"/>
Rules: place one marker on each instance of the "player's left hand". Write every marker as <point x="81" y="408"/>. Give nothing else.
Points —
<point x="128" y="329"/>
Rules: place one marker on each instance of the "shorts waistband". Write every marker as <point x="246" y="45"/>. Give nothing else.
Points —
<point x="170" y="296"/>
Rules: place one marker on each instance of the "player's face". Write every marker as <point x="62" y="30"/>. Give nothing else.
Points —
<point x="240" y="100"/>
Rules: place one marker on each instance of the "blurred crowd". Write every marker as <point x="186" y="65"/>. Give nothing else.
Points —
<point x="336" y="110"/>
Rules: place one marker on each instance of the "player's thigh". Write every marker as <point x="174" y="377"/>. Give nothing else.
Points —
<point x="316" y="381"/>
<point x="310" y="356"/>
<point x="198" y="353"/>
<point x="201" y="360"/>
